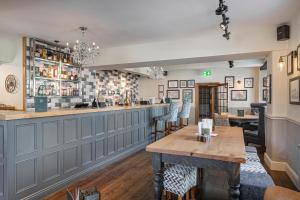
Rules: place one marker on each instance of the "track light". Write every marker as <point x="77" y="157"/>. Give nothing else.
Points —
<point x="224" y="23"/>
<point x="231" y="64"/>
<point x="222" y="9"/>
<point x="226" y="34"/>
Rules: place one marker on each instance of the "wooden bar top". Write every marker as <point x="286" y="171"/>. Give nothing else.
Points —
<point x="227" y="146"/>
<point x="14" y="115"/>
<point x="245" y="117"/>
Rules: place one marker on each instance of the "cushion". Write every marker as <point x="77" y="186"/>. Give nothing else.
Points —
<point x="178" y="179"/>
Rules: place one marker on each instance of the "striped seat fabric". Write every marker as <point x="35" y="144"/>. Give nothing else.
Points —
<point x="221" y="120"/>
<point x="179" y="179"/>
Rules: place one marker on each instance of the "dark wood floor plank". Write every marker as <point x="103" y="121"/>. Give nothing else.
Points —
<point x="131" y="179"/>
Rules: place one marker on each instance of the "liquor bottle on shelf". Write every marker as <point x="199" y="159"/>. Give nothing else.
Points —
<point x="44" y="53"/>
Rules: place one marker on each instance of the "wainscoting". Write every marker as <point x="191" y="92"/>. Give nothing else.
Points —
<point x="283" y="150"/>
<point x="45" y="154"/>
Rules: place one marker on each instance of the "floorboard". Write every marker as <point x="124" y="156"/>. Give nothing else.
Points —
<point x="131" y="179"/>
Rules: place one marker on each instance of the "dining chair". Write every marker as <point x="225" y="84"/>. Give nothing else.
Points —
<point x="255" y="132"/>
<point x="184" y="114"/>
<point x="169" y="118"/>
<point x="180" y="180"/>
<point x="221" y="120"/>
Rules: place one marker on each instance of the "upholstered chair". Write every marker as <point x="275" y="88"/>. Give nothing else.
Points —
<point x="169" y="118"/>
<point x="221" y="120"/>
<point x="180" y="180"/>
<point x="184" y="114"/>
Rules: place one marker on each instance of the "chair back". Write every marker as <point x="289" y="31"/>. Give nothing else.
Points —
<point x="173" y="111"/>
<point x="221" y="120"/>
<point x="185" y="110"/>
<point x="259" y="108"/>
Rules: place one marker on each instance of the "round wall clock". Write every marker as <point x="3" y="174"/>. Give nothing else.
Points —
<point x="11" y="83"/>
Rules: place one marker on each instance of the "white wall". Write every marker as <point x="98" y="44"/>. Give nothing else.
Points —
<point x="283" y="118"/>
<point x="149" y="88"/>
<point x="15" y="68"/>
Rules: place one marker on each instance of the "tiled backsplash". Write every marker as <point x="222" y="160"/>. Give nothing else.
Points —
<point x="106" y="82"/>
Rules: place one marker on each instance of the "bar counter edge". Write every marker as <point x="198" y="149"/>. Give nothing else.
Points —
<point x="40" y="155"/>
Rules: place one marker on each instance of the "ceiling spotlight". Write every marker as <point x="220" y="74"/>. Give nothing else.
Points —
<point x="222" y="9"/>
<point x="224" y="23"/>
<point x="226" y="34"/>
<point x="231" y="64"/>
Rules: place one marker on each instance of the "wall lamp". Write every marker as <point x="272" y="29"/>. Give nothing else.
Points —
<point x="231" y="63"/>
<point x="281" y="61"/>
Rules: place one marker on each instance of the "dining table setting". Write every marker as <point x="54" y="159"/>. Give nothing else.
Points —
<point x="225" y="150"/>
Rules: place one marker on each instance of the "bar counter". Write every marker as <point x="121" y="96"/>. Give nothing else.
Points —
<point x="43" y="152"/>
<point x="13" y="115"/>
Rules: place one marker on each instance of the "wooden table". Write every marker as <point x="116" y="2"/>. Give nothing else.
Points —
<point x="245" y="117"/>
<point x="225" y="152"/>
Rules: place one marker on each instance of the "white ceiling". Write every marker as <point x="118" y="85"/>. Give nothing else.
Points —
<point x="123" y="22"/>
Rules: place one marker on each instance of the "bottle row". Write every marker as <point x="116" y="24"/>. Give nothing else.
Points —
<point x="52" y="72"/>
<point x="52" y="54"/>
<point x="53" y="89"/>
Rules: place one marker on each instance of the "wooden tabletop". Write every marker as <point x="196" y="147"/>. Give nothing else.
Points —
<point x="227" y="146"/>
<point x="245" y="117"/>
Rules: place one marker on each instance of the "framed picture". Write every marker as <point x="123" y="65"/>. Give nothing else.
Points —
<point x="172" y="84"/>
<point x="160" y="95"/>
<point x="298" y="58"/>
<point x="265" y="81"/>
<point x="294" y="90"/>
<point x="191" y="83"/>
<point x="230" y="81"/>
<point x="238" y="95"/>
<point x="248" y="82"/>
<point x="265" y="95"/>
<point x="269" y="88"/>
<point x="183" y="84"/>
<point x="161" y="88"/>
<point x="187" y="93"/>
<point x="290" y="63"/>
<point x="173" y="94"/>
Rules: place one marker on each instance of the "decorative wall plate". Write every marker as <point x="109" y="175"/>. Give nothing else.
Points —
<point x="11" y="83"/>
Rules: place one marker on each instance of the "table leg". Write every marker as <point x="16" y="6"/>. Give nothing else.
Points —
<point x="158" y="175"/>
<point x="234" y="182"/>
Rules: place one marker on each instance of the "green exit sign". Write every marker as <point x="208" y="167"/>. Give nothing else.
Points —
<point x="206" y="73"/>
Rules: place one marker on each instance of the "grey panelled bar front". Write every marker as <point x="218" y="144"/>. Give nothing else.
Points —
<point x="40" y="155"/>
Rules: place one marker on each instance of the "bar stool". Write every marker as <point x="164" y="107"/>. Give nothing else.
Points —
<point x="184" y="113"/>
<point x="169" y="118"/>
<point x="180" y="180"/>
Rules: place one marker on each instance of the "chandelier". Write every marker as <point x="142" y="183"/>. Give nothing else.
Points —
<point x="84" y="52"/>
<point x="155" y="72"/>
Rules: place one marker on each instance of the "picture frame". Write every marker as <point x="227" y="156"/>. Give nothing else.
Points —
<point x="269" y="88"/>
<point x="265" y="81"/>
<point x="229" y="80"/>
<point x="238" y="95"/>
<point x="173" y="94"/>
<point x="191" y="83"/>
<point x="160" y="95"/>
<point x="248" y="82"/>
<point x="183" y="83"/>
<point x="187" y="93"/>
<point x="290" y="63"/>
<point x="161" y="88"/>
<point x="264" y="94"/>
<point x="172" y="83"/>
<point x="298" y="58"/>
<point x="294" y="90"/>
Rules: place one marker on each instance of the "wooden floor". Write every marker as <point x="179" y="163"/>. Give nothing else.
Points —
<point x="131" y="179"/>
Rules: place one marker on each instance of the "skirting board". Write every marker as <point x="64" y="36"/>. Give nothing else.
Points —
<point x="283" y="166"/>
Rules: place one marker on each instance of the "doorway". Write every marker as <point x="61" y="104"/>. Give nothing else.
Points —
<point x="210" y="98"/>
